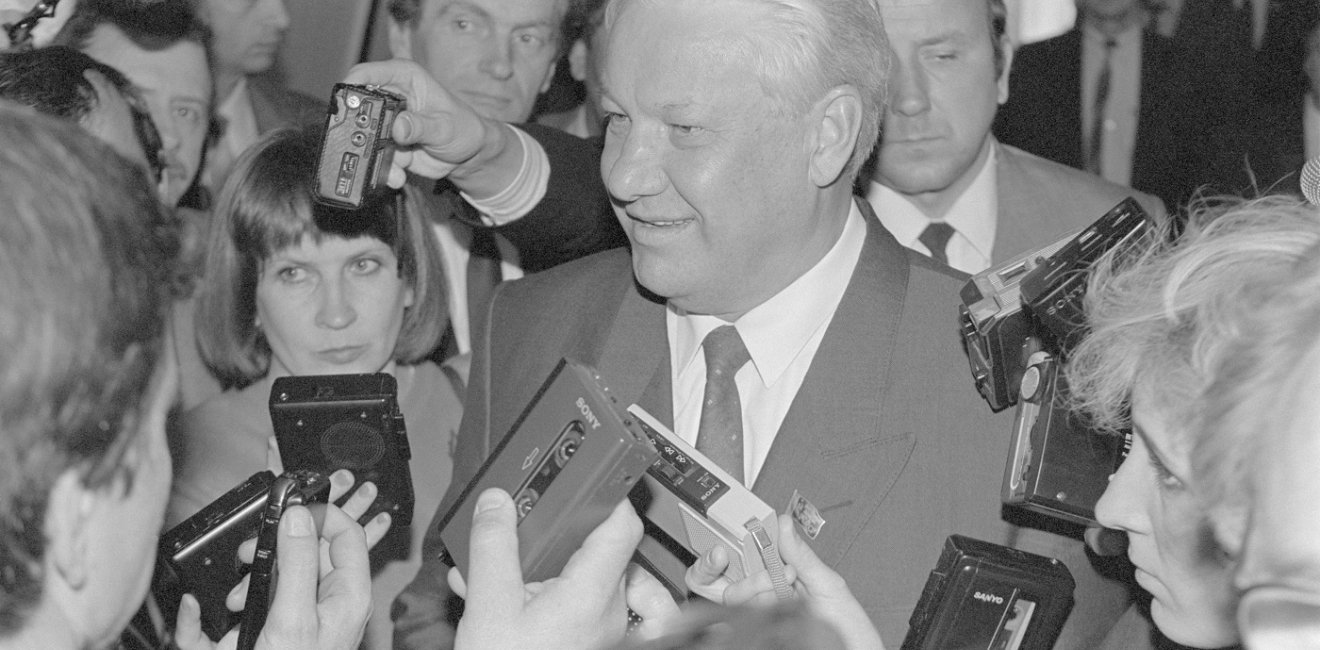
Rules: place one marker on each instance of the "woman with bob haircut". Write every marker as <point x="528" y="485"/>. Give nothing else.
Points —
<point x="293" y="287"/>
<point x="1160" y="319"/>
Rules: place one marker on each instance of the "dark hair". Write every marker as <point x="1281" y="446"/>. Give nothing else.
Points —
<point x="52" y="80"/>
<point x="265" y="206"/>
<point x="150" y="25"/>
<point x="85" y="256"/>
<point x="407" y="12"/>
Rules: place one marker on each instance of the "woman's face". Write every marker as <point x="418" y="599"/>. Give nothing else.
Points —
<point x="1169" y="536"/>
<point x="332" y="308"/>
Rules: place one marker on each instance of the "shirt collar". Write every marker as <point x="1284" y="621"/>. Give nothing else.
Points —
<point x="776" y="331"/>
<point x="968" y="214"/>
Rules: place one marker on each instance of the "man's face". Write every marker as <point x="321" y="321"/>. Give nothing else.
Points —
<point x="709" y="181"/>
<point x="176" y="84"/>
<point x="943" y="96"/>
<point x="245" y="34"/>
<point x="496" y="55"/>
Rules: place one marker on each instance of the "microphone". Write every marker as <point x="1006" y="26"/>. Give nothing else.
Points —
<point x="1310" y="181"/>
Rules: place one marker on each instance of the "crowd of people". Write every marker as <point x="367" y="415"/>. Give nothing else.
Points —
<point x="755" y="226"/>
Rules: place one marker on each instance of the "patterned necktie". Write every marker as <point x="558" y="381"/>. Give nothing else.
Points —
<point x="1096" y="143"/>
<point x="719" y="436"/>
<point x="936" y="238"/>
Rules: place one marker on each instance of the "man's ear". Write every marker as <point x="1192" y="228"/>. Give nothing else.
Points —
<point x="577" y="60"/>
<point x="1006" y="51"/>
<point x="68" y="516"/>
<point x="836" y="120"/>
<point x="549" y="78"/>
<point x="400" y="38"/>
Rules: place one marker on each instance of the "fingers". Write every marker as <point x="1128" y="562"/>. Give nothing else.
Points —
<point x="494" y="570"/>
<point x="706" y="576"/>
<point x="345" y="592"/>
<point x="606" y="552"/>
<point x="293" y="610"/>
<point x="341" y="481"/>
<point x="649" y="599"/>
<point x="188" y="633"/>
<point x="456" y="582"/>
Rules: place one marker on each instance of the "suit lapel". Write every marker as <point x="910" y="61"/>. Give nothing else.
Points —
<point x="831" y="446"/>
<point x="634" y="362"/>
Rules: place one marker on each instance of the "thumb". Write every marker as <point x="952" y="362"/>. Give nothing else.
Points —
<point x="298" y="558"/>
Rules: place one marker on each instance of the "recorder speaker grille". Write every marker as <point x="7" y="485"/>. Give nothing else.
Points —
<point x="352" y="445"/>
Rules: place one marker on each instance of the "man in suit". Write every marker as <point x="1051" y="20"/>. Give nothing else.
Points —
<point x="161" y="49"/>
<point x="495" y="58"/>
<point x="245" y="39"/>
<point x="734" y="185"/>
<point x="942" y="184"/>
<point x="1157" y="116"/>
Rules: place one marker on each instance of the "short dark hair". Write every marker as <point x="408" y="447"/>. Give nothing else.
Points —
<point x="265" y="206"/>
<point x="85" y="257"/>
<point x="150" y="25"/>
<point x="407" y="12"/>
<point x="52" y="80"/>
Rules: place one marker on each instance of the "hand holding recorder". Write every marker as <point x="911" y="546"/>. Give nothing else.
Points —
<point x="438" y="135"/>
<point x="821" y="587"/>
<point x="322" y="598"/>
<point x="584" y="607"/>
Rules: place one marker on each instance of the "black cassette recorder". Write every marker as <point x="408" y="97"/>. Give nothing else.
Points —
<point x="569" y="459"/>
<point x="984" y="596"/>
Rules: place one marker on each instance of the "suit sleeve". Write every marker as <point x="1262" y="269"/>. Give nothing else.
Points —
<point x="426" y="612"/>
<point x="575" y="218"/>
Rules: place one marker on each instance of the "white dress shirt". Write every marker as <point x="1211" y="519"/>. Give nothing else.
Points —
<point x="782" y="335"/>
<point x="974" y="217"/>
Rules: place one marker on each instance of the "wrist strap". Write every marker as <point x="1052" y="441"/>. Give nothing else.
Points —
<point x="770" y="557"/>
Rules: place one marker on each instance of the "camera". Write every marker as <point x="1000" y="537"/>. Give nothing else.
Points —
<point x="1038" y="294"/>
<point x="1019" y="322"/>
<point x="984" y="596"/>
<point x="296" y="488"/>
<point x="326" y="423"/>
<point x="357" y="146"/>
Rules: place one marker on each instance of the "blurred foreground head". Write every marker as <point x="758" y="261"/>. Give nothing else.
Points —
<point x="1259" y="455"/>
<point x="85" y="255"/>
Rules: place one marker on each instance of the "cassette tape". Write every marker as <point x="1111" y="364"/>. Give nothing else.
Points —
<point x="984" y="596"/>
<point x="1056" y="464"/>
<point x="569" y="459"/>
<point x="693" y="501"/>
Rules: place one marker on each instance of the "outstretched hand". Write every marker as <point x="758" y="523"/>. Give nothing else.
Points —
<point x="583" y="607"/>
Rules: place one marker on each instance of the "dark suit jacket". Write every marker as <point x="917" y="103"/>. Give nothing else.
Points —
<point x="1181" y="133"/>
<point x="887" y="435"/>
<point x="1041" y="201"/>
<point x="574" y="219"/>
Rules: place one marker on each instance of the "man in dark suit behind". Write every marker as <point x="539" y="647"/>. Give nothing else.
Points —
<point x="1164" y="119"/>
<point x="733" y="183"/>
